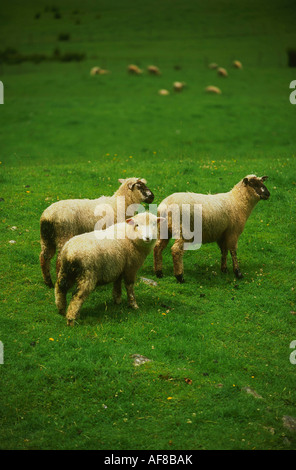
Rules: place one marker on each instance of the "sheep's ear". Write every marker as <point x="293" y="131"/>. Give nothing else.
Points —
<point x="130" y="221"/>
<point x="121" y="180"/>
<point x="131" y="185"/>
<point x="264" y="178"/>
<point x="143" y="180"/>
<point x="246" y="181"/>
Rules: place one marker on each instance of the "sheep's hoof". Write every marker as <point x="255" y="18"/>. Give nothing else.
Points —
<point x="180" y="278"/>
<point x="49" y="284"/>
<point x="238" y="274"/>
<point x="70" y="322"/>
<point x="134" y="306"/>
<point x="159" y="274"/>
<point x="224" y="270"/>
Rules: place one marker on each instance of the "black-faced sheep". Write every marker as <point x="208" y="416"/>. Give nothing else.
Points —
<point x="103" y="257"/>
<point x="65" y="219"/>
<point x="223" y="219"/>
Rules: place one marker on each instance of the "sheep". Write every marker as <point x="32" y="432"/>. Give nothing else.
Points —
<point x="153" y="70"/>
<point x="223" y="219"/>
<point x="237" y="64"/>
<point x="64" y="219"/>
<point x="213" y="65"/>
<point x="94" y="70"/>
<point x="163" y="92"/>
<point x="178" y="86"/>
<point x="98" y="71"/>
<point x="222" y="72"/>
<point x="213" y="89"/>
<point x="134" y="69"/>
<point x="103" y="257"/>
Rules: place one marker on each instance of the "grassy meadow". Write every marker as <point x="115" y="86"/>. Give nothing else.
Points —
<point x="220" y="375"/>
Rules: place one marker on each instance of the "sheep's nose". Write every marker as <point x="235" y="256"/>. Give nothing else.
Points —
<point x="149" y="196"/>
<point x="146" y="239"/>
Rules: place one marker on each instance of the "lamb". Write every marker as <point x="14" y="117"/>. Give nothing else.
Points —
<point x="103" y="257"/>
<point x="134" y="69"/>
<point x="223" y="219"/>
<point x="65" y="219"/>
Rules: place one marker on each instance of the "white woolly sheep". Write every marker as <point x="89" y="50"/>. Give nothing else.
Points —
<point x="65" y="219"/>
<point x="103" y="257"/>
<point x="213" y="65"/>
<point x="134" y="69"/>
<point x="223" y="219"/>
<point x="222" y="72"/>
<point x="213" y="89"/>
<point x="153" y="70"/>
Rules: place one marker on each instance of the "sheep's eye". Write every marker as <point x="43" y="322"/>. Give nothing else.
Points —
<point x="136" y="225"/>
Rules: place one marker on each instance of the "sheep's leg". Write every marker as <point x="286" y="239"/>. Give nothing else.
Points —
<point x="129" y="285"/>
<point x="84" y="288"/>
<point x="59" y="251"/>
<point x="60" y="298"/>
<point x="177" y="254"/>
<point x="117" y="291"/>
<point x="236" y="269"/>
<point x="224" y="253"/>
<point x="47" y="252"/>
<point x="160" y="245"/>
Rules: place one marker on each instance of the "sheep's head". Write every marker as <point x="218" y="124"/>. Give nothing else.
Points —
<point x="140" y="192"/>
<point x="143" y="228"/>
<point x="257" y="185"/>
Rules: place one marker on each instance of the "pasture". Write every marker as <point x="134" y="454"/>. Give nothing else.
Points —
<point x="220" y="374"/>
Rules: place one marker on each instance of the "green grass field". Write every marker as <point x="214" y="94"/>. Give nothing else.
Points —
<point x="66" y="134"/>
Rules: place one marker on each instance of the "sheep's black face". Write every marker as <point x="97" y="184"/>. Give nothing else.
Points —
<point x="260" y="188"/>
<point x="146" y="193"/>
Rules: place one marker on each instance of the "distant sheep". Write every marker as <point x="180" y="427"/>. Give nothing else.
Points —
<point x="213" y="65"/>
<point x="237" y="64"/>
<point x="163" y="92"/>
<point x="153" y="70"/>
<point x="222" y="72"/>
<point x="223" y="219"/>
<point x="65" y="219"/>
<point x="178" y="86"/>
<point x="103" y="257"/>
<point x="98" y="71"/>
<point x="134" y="69"/>
<point x="213" y="89"/>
